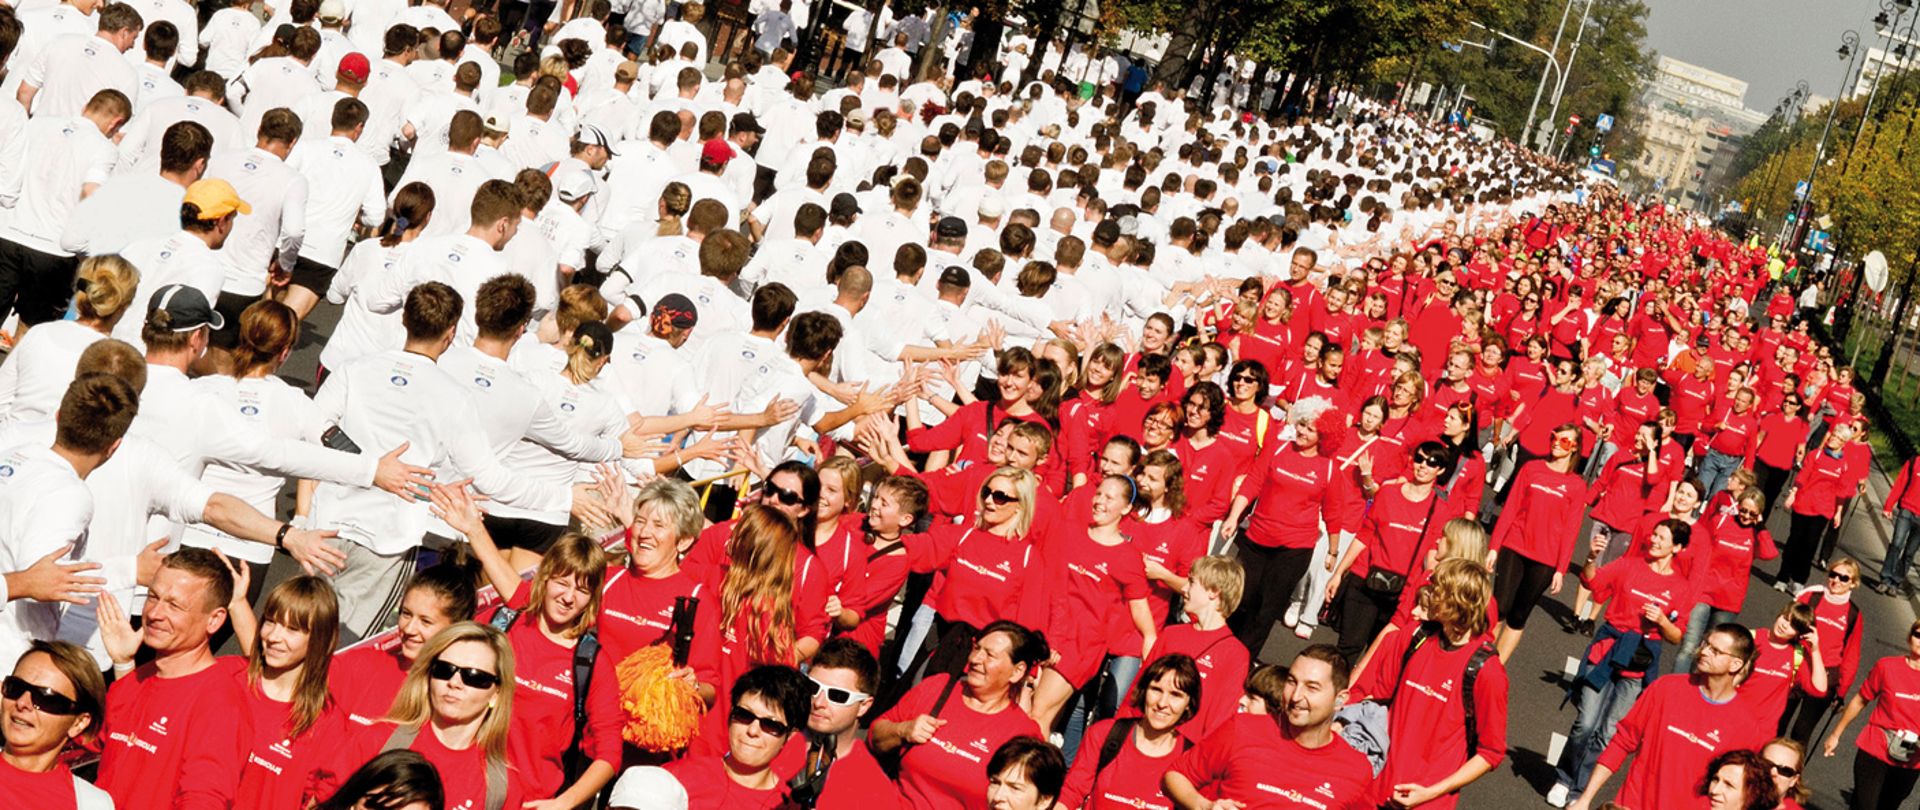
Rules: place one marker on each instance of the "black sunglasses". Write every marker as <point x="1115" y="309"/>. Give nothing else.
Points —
<point x="1002" y="498"/>
<point x="44" y="698"/>
<point x="838" y="696"/>
<point x="1835" y="574"/>
<point x="1787" y="771"/>
<point x="477" y="678"/>
<point x="1430" y="461"/>
<point x="783" y="495"/>
<point x="741" y="715"/>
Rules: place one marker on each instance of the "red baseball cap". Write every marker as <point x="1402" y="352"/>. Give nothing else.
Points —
<point x="354" y="67"/>
<point x="716" y="151"/>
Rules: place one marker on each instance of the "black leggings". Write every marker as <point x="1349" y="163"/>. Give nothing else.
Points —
<point x="1772" y="479"/>
<point x="1803" y="538"/>
<point x="1518" y="584"/>
<point x="1362" y="615"/>
<point x="1803" y="715"/>
<point x="1879" y="786"/>
<point x="1271" y="575"/>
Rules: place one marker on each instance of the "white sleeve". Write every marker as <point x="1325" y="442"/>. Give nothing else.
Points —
<point x="373" y="209"/>
<point x="470" y="453"/>
<point x="293" y="222"/>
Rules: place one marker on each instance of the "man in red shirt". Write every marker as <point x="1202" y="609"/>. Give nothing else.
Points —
<point x="1680" y="724"/>
<point x="1282" y="762"/>
<point x="178" y="728"/>
<point x="841" y="771"/>
<point x="1730" y="444"/>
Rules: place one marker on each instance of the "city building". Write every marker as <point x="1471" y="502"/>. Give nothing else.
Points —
<point x="1691" y="121"/>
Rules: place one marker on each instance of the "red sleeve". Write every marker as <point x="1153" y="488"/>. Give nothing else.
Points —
<point x="1383" y="669"/>
<point x="1521" y="497"/>
<point x="810" y="602"/>
<point x="1849" y="662"/>
<point x="1568" y="527"/>
<point x="1763" y="545"/>
<point x="1080" y="777"/>
<point x="1336" y="505"/>
<point x="1035" y="605"/>
<point x="601" y="737"/>
<point x="1206" y="764"/>
<point x="216" y="749"/>
<point x="883" y="579"/>
<point x="949" y="434"/>
<point x="1490" y="711"/>
<point x="930" y="552"/>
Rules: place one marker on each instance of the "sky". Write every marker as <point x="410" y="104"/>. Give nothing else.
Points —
<point x="1770" y="44"/>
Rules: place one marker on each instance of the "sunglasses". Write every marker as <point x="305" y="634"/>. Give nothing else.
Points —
<point x="1242" y="378"/>
<point x="786" y="496"/>
<point x="743" y="716"/>
<point x="1839" y="576"/>
<point x="837" y="695"/>
<point x="1002" y="498"/>
<point x="44" y="698"/>
<point x="1429" y="462"/>
<point x="1787" y="771"/>
<point x="471" y="676"/>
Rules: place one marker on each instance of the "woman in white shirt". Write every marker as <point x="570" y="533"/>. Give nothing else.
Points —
<point x="255" y="394"/>
<point x="583" y="407"/>
<point x="362" y="331"/>
<point x="38" y="370"/>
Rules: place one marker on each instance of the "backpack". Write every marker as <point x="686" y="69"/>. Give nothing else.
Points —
<point x="585" y="651"/>
<point x="890" y="760"/>
<point x="1468" y="679"/>
<point x="1117" y="735"/>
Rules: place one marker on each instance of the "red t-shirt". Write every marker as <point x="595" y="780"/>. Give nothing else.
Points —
<point x="856" y="780"/>
<point x="988" y="577"/>
<point x="1251" y="762"/>
<point x="1775" y="669"/>
<point x="1209" y="472"/>
<point x="1092" y="585"/>
<point x="637" y="612"/>
<point x="364" y="682"/>
<point x="1542" y="515"/>
<point x="1629" y="583"/>
<point x="1130" y="782"/>
<point x="1675" y="732"/>
<point x="1174" y="544"/>
<point x="1723" y="553"/>
<point x="1428" y="724"/>
<point x="1630" y="410"/>
<point x="949" y="771"/>
<point x="871" y="595"/>
<point x="1822" y="481"/>
<point x="1893" y="686"/>
<point x="708" y="786"/>
<point x="1398" y="533"/>
<point x="1295" y="493"/>
<point x="53" y="790"/>
<point x="543" y="698"/>
<point x="1839" y="648"/>
<point x="1784" y="437"/>
<point x="1242" y="433"/>
<point x="279" y="769"/>
<point x="463" y="773"/>
<point x="1223" y="663"/>
<point x="176" y="742"/>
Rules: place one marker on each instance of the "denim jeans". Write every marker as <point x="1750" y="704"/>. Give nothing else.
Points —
<point x="1715" y="469"/>
<point x="917" y="631"/>
<point x="1702" y="620"/>
<point x="1311" y="593"/>
<point x="1601" y="710"/>
<point x="1602" y="451"/>
<point x="1123" y="669"/>
<point x="1900" y="551"/>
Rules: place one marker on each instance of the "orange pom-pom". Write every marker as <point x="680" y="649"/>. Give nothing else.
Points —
<point x="663" y="712"/>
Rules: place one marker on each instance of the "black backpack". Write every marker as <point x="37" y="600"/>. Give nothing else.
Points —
<point x="1117" y="735"/>
<point x="585" y="651"/>
<point x="1430" y="629"/>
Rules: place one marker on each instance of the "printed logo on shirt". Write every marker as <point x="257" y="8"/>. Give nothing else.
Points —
<point x="1291" y="795"/>
<point x="1133" y="802"/>
<point x="483" y="382"/>
<point x="1711" y="741"/>
<point x="959" y="751"/>
<point x="398" y="380"/>
<point x="6" y="471"/>
<point x="158" y="727"/>
<point x="1446" y="687"/>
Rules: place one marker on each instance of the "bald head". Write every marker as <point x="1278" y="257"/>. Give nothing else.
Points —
<point x="1063" y="219"/>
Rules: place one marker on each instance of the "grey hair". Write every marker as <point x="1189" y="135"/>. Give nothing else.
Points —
<point x="680" y="502"/>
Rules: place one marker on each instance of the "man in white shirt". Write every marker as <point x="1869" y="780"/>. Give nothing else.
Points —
<point x="44" y="502"/>
<point x="74" y="68"/>
<point x="774" y="28"/>
<point x="454" y="175"/>
<point x="427" y="122"/>
<point x="66" y="160"/>
<point x="186" y="256"/>
<point x="265" y="243"/>
<point x="343" y="188"/>
<point x="227" y="36"/>
<point x="276" y="81"/>
<point x="636" y="176"/>
<point x="479" y="51"/>
<point x="404" y="398"/>
<point x="563" y="226"/>
<point x="885" y="233"/>
<point x="42" y="24"/>
<point x="677" y="34"/>
<point x="156" y="80"/>
<point x="137" y="205"/>
<point x="204" y="104"/>
<point x="796" y="261"/>
<point x="722" y="255"/>
<point x="390" y="93"/>
<point x="535" y="139"/>
<point x="462" y="261"/>
<point x="705" y="183"/>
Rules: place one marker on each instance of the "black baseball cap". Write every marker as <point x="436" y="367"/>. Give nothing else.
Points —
<point x="844" y="205"/>
<point x="956" y="276"/>
<point x="745" y="122"/>
<point x="951" y="228"/>
<point x="180" y="308"/>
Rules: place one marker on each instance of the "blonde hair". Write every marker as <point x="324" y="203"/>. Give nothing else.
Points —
<point x="582" y="366"/>
<point x="759" y="581"/>
<point x="678" y="200"/>
<point x="573" y="555"/>
<point x="1025" y="483"/>
<point x="850" y="479"/>
<point x="1461" y="591"/>
<point x="104" y="287"/>
<point x="1224" y="576"/>
<point x="1464" y="540"/>
<point x="413" y="707"/>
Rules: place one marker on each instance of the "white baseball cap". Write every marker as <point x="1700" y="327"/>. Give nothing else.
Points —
<point x="647" y="787"/>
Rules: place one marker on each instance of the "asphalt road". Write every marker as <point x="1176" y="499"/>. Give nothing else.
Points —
<point x="1534" y="713"/>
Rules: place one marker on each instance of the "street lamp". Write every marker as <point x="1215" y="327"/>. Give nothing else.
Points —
<point x="1848" y="42"/>
<point x="1886" y="28"/>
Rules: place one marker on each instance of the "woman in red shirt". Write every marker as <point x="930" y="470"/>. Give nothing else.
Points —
<point x="1886" y="767"/>
<point x="1814" y="502"/>
<point x="1536" y="531"/>
<point x="1780" y="446"/>
<point x="1839" y="620"/>
<point x="1297" y="488"/>
<point x="1467" y="480"/>
<point x="365" y="678"/>
<point x="1788" y="759"/>
<point x="456" y="709"/>
<point x="1164" y="530"/>
<point x="1099" y="583"/>
<point x="55" y="701"/>
<point x="994" y="570"/>
<point x="1084" y="420"/>
<point x="296" y="724"/>
<point x="1209" y="460"/>
<point x="946" y="725"/>
<point x="637" y="603"/>
<point x="1166" y="696"/>
<point x="1783" y="654"/>
<point x="1400" y="528"/>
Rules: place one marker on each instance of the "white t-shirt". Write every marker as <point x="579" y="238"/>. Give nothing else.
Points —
<point x="44" y="505"/>
<point x="140" y="137"/>
<point x="270" y="236"/>
<point x="227" y="36"/>
<point x="38" y="371"/>
<point x="62" y="156"/>
<point x="73" y="69"/>
<point x="343" y="185"/>
<point x="128" y="207"/>
<point x="276" y="409"/>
